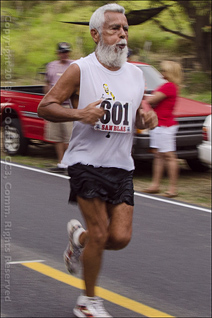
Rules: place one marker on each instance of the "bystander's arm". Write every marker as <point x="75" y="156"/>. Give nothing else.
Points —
<point x="155" y="99"/>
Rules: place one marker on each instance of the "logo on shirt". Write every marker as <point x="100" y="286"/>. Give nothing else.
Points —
<point x="107" y="91"/>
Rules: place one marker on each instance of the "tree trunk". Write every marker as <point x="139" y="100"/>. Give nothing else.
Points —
<point x="203" y="44"/>
<point x="200" y="17"/>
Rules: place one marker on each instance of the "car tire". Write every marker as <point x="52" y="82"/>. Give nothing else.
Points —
<point x="14" y="142"/>
<point x="196" y="165"/>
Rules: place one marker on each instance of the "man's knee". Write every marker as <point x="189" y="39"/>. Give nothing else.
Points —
<point x="119" y="241"/>
<point x="98" y="238"/>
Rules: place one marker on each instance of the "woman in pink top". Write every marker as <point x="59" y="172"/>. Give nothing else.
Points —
<point x="163" y="137"/>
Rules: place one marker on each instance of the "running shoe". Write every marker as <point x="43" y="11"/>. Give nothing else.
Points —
<point x="73" y="251"/>
<point x="90" y="307"/>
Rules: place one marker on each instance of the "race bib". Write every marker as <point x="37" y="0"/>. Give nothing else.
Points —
<point x="117" y="117"/>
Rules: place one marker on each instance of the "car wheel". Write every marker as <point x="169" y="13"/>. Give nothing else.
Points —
<point x="13" y="141"/>
<point x="196" y="165"/>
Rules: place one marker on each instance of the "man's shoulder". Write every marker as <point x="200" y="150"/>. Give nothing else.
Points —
<point x="85" y="58"/>
<point x="84" y="61"/>
<point x="52" y="64"/>
<point x="133" y="66"/>
<point x="134" y="69"/>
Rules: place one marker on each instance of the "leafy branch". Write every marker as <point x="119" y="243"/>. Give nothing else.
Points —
<point x="162" y="27"/>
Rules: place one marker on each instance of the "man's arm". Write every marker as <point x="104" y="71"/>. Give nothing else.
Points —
<point x="67" y="87"/>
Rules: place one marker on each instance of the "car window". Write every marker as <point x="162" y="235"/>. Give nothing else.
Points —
<point x="153" y="78"/>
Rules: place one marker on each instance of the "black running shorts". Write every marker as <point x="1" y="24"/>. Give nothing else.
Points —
<point x="112" y="185"/>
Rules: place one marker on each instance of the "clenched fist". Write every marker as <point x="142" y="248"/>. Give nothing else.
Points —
<point x="91" y="114"/>
<point x="147" y="119"/>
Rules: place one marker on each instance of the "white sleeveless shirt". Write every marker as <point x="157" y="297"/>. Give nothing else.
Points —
<point x="122" y="92"/>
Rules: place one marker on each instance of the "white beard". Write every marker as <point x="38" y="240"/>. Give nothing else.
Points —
<point x="111" y="55"/>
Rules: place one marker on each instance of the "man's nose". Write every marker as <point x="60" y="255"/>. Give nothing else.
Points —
<point x="123" y="33"/>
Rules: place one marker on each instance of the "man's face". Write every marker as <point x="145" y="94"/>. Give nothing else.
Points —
<point x="63" y="56"/>
<point x="114" y="29"/>
<point x="112" y="41"/>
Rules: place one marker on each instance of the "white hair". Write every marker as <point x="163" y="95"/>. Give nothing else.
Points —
<point x="98" y="17"/>
<point x="110" y="55"/>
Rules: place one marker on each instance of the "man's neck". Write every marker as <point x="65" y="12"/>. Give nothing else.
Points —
<point x="63" y="61"/>
<point x="111" y="68"/>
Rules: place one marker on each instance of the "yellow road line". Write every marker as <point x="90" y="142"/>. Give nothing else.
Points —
<point x="101" y="292"/>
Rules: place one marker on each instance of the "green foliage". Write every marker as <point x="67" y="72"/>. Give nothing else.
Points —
<point x="35" y="28"/>
<point x="160" y="42"/>
<point x="202" y="6"/>
<point x="197" y="86"/>
<point x="204" y="97"/>
<point x="198" y="82"/>
<point x="202" y="79"/>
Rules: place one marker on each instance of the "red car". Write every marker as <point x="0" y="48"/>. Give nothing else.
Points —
<point x="22" y="126"/>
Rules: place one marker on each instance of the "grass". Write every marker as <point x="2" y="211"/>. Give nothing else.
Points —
<point x="204" y="97"/>
<point x="193" y="187"/>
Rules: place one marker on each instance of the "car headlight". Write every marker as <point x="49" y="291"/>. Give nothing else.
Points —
<point x="142" y="131"/>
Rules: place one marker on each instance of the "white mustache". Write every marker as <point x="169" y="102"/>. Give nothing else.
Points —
<point x="123" y="41"/>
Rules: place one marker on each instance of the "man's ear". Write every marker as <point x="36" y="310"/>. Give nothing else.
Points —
<point x="95" y="35"/>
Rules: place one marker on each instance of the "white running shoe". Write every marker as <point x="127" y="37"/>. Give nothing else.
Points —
<point x="90" y="307"/>
<point x="73" y="251"/>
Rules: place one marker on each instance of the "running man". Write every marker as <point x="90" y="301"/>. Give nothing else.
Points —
<point x="106" y="93"/>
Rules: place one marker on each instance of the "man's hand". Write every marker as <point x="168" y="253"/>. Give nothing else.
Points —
<point x="91" y="114"/>
<point x="147" y="119"/>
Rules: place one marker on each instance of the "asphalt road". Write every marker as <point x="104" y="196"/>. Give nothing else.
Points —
<point x="164" y="272"/>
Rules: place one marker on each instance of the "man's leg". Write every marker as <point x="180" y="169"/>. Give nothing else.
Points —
<point x="95" y="214"/>
<point x="109" y="226"/>
<point x="60" y="148"/>
<point x="120" y="227"/>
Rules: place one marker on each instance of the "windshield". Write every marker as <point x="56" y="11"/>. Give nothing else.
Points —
<point x="153" y="78"/>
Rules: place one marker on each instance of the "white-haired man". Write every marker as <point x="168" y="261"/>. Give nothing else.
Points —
<point x="106" y="94"/>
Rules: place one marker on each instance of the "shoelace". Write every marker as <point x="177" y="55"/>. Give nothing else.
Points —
<point x="76" y="250"/>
